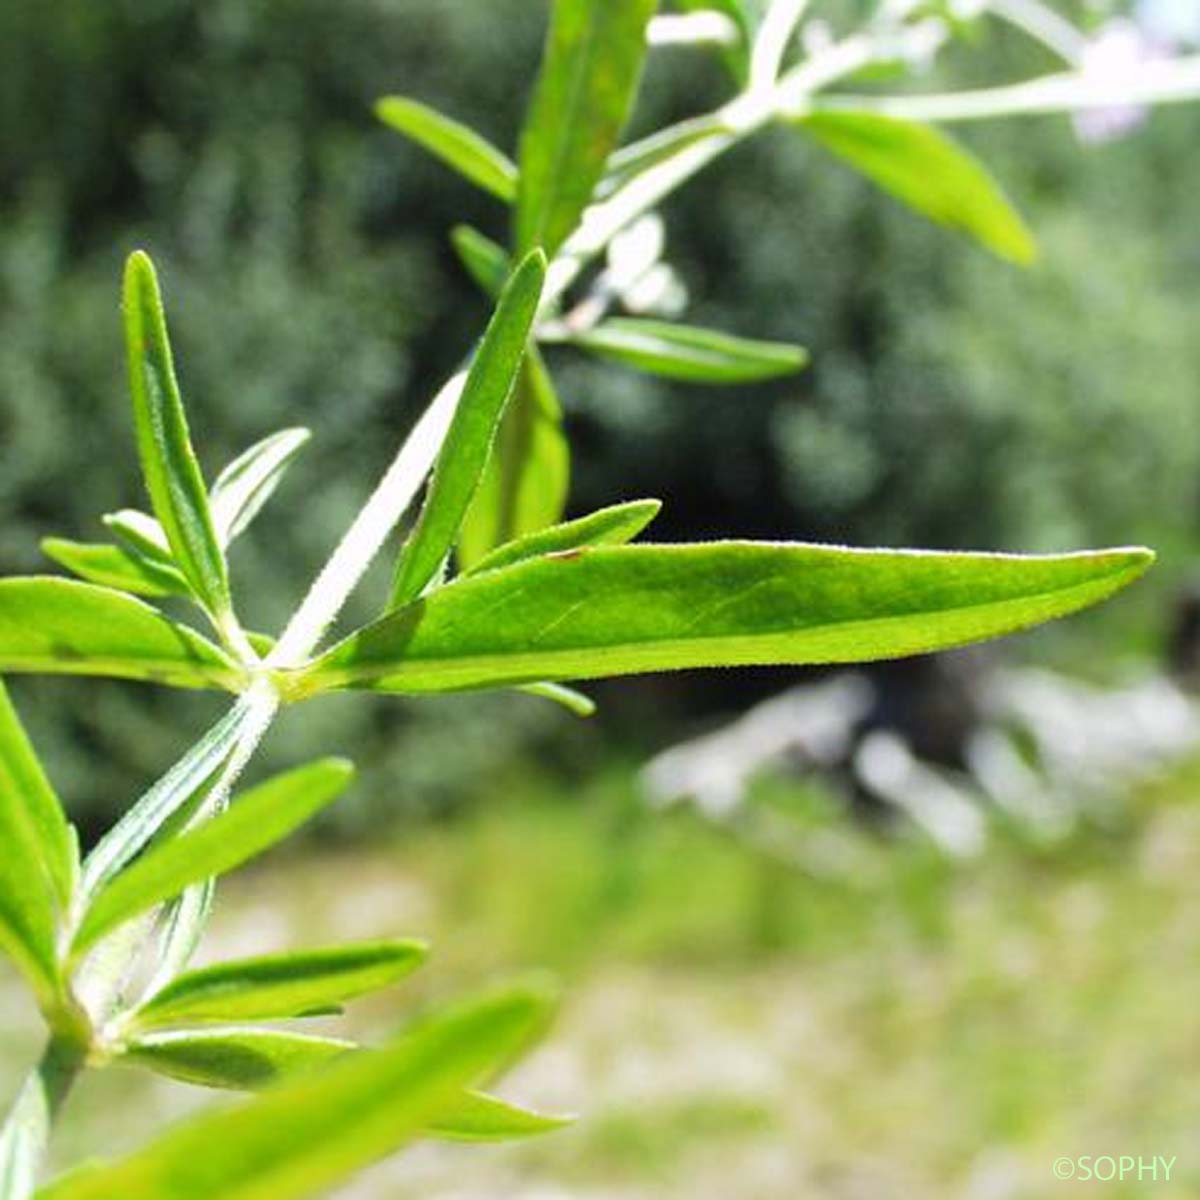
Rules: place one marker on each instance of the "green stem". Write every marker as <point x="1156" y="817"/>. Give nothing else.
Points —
<point x="26" y="1133"/>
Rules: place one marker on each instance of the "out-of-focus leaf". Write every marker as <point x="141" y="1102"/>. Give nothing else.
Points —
<point x="737" y="58"/>
<point x="238" y="1059"/>
<point x="113" y="567"/>
<point x="691" y="354"/>
<point x="479" y="1117"/>
<point x="464" y="453"/>
<point x="648" y="152"/>
<point x="263" y="816"/>
<point x="616" y="610"/>
<point x="486" y="261"/>
<point x="241" y="490"/>
<point x="582" y="99"/>
<point x="524" y="487"/>
<point x="280" y="985"/>
<point x="573" y="701"/>
<point x="470" y="154"/>
<point x="36" y="858"/>
<point x="928" y="171"/>
<point x="304" y="1136"/>
<point x="52" y="626"/>
<point x="612" y="526"/>
<point x="173" y="479"/>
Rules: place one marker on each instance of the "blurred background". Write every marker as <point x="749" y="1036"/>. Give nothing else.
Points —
<point x="833" y="972"/>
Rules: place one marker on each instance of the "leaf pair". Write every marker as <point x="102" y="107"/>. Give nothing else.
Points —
<point x="311" y="1132"/>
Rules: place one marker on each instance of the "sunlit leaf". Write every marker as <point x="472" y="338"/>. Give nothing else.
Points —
<point x="582" y="99"/>
<point x="616" y="610"/>
<point x="928" y="171"/>
<point x="54" y="626"/>
<point x="691" y="354"/>
<point x="141" y="534"/>
<point x="612" y="526"/>
<point x="263" y="816"/>
<point x="238" y="1059"/>
<point x="240" y="491"/>
<point x="24" y="787"/>
<point x="524" y="487"/>
<point x="113" y="567"/>
<point x="280" y="985"/>
<point x="304" y="1136"/>
<point x="173" y="479"/>
<point x="486" y="261"/>
<point x="479" y="1117"/>
<point x="460" y="147"/>
<point x="464" y="453"/>
<point x="36" y="858"/>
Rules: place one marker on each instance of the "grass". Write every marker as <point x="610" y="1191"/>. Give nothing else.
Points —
<point x="909" y="1028"/>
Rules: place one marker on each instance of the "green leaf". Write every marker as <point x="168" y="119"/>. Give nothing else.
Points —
<point x="263" y="816"/>
<point x="479" y="1117"/>
<point x="111" y="566"/>
<point x="241" y="490"/>
<point x="524" y="487"/>
<point x="573" y="701"/>
<point x="459" y="147"/>
<point x="486" y="261"/>
<point x="141" y="534"/>
<point x="169" y="465"/>
<point x="468" y="442"/>
<point x="611" y="526"/>
<point x="582" y="99"/>
<point x="171" y="799"/>
<point x="54" y="626"/>
<point x="301" y="1138"/>
<point x="618" y="610"/>
<point x="36" y="858"/>
<point x="25" y="788"/>
<point x="239" y="1059"/>
<point x="928" y="171"/>
<point x="276" y="986"/>
<point x="691" y="354"/>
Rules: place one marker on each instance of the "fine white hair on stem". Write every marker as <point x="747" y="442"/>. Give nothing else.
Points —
<point x="366" y="536"/>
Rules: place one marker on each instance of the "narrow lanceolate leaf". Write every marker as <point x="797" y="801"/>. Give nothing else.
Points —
<point x="54" y="626"/>
<point x="26" y="792"/>
<point x="573" y="701"/>
<point x="691" y="354"/>
<point x="239" y="1059"/>
<point x="458" y="146"/>
<point x="468" y="443"/>
<point x="241" y="490"/>
<point x="612" y="526"/>
<point x="35" y="874"/>
<point x="170" y="799"/>
<point x="582" y="99"/>
<point x="928" y="171"/>
<point x="113" y="567"/>
<point x="618" y="610"/>
<point x="141" y="534"/>
<point x="524" y="487"/>
<point x="278" y="986"/>
<point x="486" y="261"/>
<point x="305" y="1136"/>
<point x="479" y="1117"/>
<point x="263" y="816"/>
<point x="169" y="465"/>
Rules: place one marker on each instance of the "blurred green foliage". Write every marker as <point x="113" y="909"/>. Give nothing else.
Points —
<point x="953" y="401"/>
